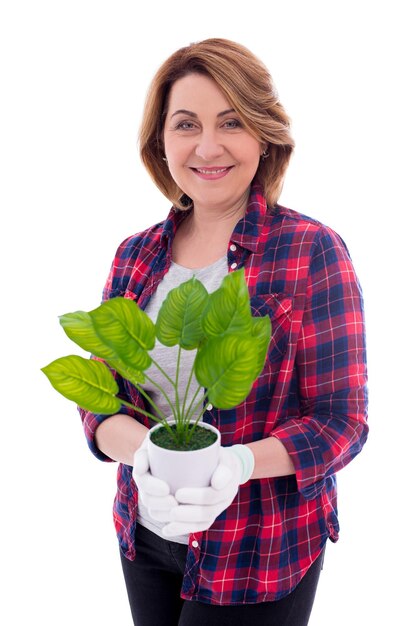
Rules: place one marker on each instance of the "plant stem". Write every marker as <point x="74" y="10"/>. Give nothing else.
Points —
<point x="190" y="432"/>
<point x="149" y="399"/>
<point x="175" y="412"/>
<point x="163" y="419"/>
<point x="169" y="379"/>
<point x="187" y="389"/>
<point x="161" y="390"/>
<point x="179" y="419"/>
<point x="191" y="408"/>
<point x="151" y="416"/>
<point x="142" y="411"/>
<point x="138" y="386"/>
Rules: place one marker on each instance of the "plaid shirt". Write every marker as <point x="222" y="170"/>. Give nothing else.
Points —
<point x="311" y="395"/>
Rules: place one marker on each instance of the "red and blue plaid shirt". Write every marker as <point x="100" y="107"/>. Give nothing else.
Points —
<point x="311" y="395"/>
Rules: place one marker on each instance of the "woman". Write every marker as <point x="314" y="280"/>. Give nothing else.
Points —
<point x="216" y="141"/>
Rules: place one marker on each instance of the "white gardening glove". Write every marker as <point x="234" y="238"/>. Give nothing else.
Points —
<point x="153" y="492"/>
<point x="199" y="507"/>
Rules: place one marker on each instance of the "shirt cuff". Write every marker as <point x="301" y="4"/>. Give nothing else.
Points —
<point x="301" y="444"/>
<point x="91" y="421"/>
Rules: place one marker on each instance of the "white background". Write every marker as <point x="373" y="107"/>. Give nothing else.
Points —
<point x="73" y="80"/>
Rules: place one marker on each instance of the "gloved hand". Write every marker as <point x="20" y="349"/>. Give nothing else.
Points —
<point x="153" y="492"/>
<point x="199" y="507"/>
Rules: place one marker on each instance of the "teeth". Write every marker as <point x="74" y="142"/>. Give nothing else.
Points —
<point x="223" y="169"/>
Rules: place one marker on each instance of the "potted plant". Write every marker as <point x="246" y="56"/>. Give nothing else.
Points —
<point x="230" y="345"/>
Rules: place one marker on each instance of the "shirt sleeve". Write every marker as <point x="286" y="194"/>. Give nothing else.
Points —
<point x="91" y="421"/>
<point x="330" y="369"/>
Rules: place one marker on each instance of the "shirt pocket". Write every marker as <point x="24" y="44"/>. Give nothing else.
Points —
<point x="278" y="306"/>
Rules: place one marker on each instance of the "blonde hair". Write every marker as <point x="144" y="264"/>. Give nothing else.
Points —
<point x="248" y="86"/>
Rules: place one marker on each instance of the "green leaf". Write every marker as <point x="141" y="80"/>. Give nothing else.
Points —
<point x="79" y="328"/>
<point x="261" y="331"/>
<point x="87" y="382"/>
<point x="227" y="366"/>
<point x="134" y="375"/>
<point x="228" y="308"/>
<point x="179" y="318"/>
<point x="124" y="328"/>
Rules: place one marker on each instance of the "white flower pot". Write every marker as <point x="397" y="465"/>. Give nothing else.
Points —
<point x="189" y="468"/>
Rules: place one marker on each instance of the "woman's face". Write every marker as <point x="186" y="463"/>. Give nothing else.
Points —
<point x="210" y="155"/>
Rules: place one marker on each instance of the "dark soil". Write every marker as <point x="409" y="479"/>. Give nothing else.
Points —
<point x="202" y="438"/>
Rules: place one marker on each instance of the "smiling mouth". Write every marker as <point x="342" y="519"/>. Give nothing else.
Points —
<point x="211" y="170"/>
<point x="211" y="173"/>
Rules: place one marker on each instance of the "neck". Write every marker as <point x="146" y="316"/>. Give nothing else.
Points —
<point x="213" y="221"/>
<point x="203" y="236"/>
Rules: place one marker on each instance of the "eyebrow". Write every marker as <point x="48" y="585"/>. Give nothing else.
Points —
<point x="194" y="115"/>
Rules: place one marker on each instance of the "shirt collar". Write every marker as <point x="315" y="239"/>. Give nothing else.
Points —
<point x="171" y="224"/>
<point x="247" y="232"/>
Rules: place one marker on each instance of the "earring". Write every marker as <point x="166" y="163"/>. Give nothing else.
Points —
<point x="165" y="159"/>
<point x="265" y="155"/>
<point x="186" y="201"/>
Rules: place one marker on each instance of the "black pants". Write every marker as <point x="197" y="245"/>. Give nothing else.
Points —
<point x="154" y="579"/>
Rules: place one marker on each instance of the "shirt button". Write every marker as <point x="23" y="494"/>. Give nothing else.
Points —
<point x="233" y="266"/>
<point x="233" y="247"/>
<point x="194" y="544"/>
<point x="209" y="407"/>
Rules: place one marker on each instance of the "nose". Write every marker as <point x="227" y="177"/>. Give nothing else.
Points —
<point x="209" y="146"/>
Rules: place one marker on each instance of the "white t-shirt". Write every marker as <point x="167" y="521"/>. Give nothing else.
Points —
<point x="211" y="276"/>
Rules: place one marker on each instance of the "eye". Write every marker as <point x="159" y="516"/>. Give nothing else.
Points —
<point x="185" y="125"/>
<point x="232" y="124"/>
